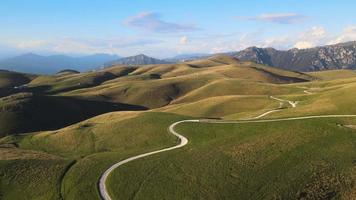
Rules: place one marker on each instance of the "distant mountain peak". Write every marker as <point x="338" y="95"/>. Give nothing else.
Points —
<point x="142" y="55"/>
<point x="140" y="59"/>
<point x="30" y="55"/>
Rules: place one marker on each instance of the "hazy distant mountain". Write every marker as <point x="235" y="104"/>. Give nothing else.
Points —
<point x="33" y="63"/>
<point x="187" y="57"/>
<point x="136" y="60"/>
<point x="339" y="56"/>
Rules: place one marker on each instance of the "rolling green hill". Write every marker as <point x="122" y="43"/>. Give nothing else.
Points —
<point x="154" y="86"/>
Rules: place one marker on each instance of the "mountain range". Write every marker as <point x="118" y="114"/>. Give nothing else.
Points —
<point x="338" y="56"/>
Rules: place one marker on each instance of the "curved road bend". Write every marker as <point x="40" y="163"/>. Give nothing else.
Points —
<point x="183" y="141"/>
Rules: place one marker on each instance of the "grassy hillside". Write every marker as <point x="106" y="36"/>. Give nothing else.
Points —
<point x="71" y="81"/>
<point x="334" y="74"/>
<point x="155" y="86"/>
<point x="325" y="97"/>
<point x="94" y="145"/>
<point x="29" y="175"/>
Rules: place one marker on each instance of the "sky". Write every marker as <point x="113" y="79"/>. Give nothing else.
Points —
<point x="165" y="28"/>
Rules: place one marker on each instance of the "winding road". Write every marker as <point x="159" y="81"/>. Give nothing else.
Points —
<point x="183" y="140"/>
<point x="292" y="103"/>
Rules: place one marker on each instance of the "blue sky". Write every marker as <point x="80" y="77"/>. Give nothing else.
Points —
<point x="167" y="28"/>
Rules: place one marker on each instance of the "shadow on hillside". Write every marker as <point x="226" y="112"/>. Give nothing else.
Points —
<point x="26" y="112"/>
<point x="279" y="78"/>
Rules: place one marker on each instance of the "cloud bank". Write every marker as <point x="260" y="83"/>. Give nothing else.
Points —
<point x="186" y="43"/>
<point x="151" y="21"/>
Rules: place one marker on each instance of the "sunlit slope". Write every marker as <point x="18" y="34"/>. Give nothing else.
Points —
<point x="322" y="97"/>
<point x="334" y="74"/>
<point x="221" y="106"/>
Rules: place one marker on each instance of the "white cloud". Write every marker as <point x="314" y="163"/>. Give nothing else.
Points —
<point x="192" y="43"/>
<point x="348" y="34"/>
<point x="183" y="40"/>
<point x="31" y="44"/>
<point x="317" y="31"/>
<point x="120" y="46"/>
<point x="151" y="21"/>
<point x="280" y="18"/>
<point x="303" y="45"/>
<point x="315" y="36"/>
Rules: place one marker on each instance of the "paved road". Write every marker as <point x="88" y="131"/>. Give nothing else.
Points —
<point x="292" y="103"/>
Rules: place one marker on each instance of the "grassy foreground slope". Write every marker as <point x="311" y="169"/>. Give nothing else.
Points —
<point x="27" y="174"/>
<point x="306" y="159"/>
<point x="90" y="147"/>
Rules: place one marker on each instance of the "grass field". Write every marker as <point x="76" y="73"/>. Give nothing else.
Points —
<point x="27" y="174"/>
